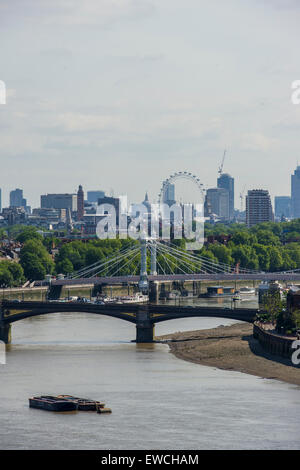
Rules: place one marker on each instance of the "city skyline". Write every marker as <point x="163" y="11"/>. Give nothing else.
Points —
<point x="219" y="178"/>
<point x="115" y="109"/>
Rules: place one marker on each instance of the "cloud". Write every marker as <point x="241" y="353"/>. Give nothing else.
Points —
<point x="281" y="4"/>
<point x="258" y="142"/>
<point x="75" y="12"/>
<point x="78" y="122"/>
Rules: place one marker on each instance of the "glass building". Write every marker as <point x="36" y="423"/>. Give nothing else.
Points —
<point x="226" y="181"/>
<point x="283" y="207"/>
<point x="295" y="193"/>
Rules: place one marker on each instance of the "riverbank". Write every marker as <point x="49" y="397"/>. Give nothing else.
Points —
<point x="231" y="348"/>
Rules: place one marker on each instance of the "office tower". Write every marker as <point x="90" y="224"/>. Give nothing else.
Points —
<point x="218" y="201"/>
<point x="226" y="181"/>
<point x="113" y="201"/>
<point x="283" y="207"/>
<point x="0" y="200"/>
<point x="80" y="203"/>
<point x="59" y="201"/>
<point x="93" y="196"/>
<point x="16" y="198"/>
<point x="258" y="207"/>
<point x="295" y="193"/>
<point x="169" y="195"/>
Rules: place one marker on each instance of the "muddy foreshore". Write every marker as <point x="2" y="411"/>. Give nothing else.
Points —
<point x="231" y="348"/>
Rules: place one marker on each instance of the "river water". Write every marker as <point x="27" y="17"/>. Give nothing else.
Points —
<point x="158" y="401"/>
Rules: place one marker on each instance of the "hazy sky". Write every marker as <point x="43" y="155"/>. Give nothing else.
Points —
<point x="121" y="93"/>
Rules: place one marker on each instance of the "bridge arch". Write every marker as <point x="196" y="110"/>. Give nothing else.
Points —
<point x="32" y="313"/>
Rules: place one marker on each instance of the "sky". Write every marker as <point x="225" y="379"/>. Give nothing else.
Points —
<point x="116" y="95"/>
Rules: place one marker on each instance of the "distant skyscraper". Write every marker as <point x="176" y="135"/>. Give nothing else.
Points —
<point x="169" y="194"/>
<point x="283" y="206"/>
<point x="258" y="207"/>
<point x="16" y="198"/>
<point x="218" y="201"/>
<point x="226" y="181"/>
<point x="113" y="201"/>
<point x="295" y="193"/>
<point x="80" y="203"/>
<point x="0" y="200"/>
<point x="93" y="196"/>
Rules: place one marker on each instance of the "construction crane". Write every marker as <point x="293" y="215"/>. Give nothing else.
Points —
<point x="220" y="170"/>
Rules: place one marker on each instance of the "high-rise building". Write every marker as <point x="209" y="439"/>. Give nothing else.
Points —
<point x="113" y="201"/>
<point x="283" y="207"/>
<point x="16" y="198"/>
<point x="93" y="196"/>
<point x="295" y="193"/>
<point x="218" y="201"/>
<point x="80" y="203"/>
<point x="258" y="207"/>
<point x="226" y="181"/>
<point x="59" y="201"/>
<point x="0" y="200"/>
<point x="169" y="195"/>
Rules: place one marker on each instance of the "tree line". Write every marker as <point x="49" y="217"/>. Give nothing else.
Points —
<point x="267" y="247"/>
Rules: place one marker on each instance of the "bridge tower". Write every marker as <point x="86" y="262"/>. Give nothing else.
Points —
<point x="153" y="268"/>
<point x="153" y="285"/>
<point x="143" y="282"/>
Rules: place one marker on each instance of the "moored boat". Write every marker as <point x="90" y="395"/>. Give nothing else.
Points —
<point x="236" y="296"/>
<point x="247" y="290"/>
<point x="103" y="410"/>
<point x="84" y="404"/>
<point x="218" y="291"/>
<point x="50" y="403"/>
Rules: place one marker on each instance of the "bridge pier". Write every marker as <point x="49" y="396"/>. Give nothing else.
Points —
<point x="5" y="332"/>
<point x="144" y="327"/>
<point x="153" y="291"/>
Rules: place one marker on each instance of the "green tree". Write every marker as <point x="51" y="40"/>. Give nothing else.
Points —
<point x="35" y="260"/>
<point x="64" y="267"/>
<point x="243" y="238"/>
<point x="6" y="278"/>
<point x="264" y="237"/>
<point x="272" y="305"/>
<point x="222" y="253"/>
<point x="276" y="260"/>
<point x="29" y="233"/>
<point x="246" y="256"/>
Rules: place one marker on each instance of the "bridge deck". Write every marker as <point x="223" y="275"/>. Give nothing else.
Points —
<point x="15" y="311"/>
<point x="181" y="277"/>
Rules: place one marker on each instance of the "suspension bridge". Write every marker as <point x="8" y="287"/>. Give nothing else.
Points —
<point x="147" y="264"/>
<point x="151" y="262"/>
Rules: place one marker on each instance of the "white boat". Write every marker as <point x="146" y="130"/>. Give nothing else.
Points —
<point x="247" y="290"/>
<point x="172" y="295"/>
<point x="137" y="298"/>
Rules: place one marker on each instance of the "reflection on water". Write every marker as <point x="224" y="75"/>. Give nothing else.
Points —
<point x="158" y="401"/>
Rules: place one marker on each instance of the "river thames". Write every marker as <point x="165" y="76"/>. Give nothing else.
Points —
<point x="157" y="400"/>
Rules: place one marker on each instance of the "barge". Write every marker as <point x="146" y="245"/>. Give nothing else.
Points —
<point x="218" y="291"/>
<point x="84" y="404"/>
<point x="50" y="403"/>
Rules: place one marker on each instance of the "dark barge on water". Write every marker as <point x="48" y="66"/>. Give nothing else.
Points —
<point x="84" y="404"/>
<point x="50" y="403"/>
